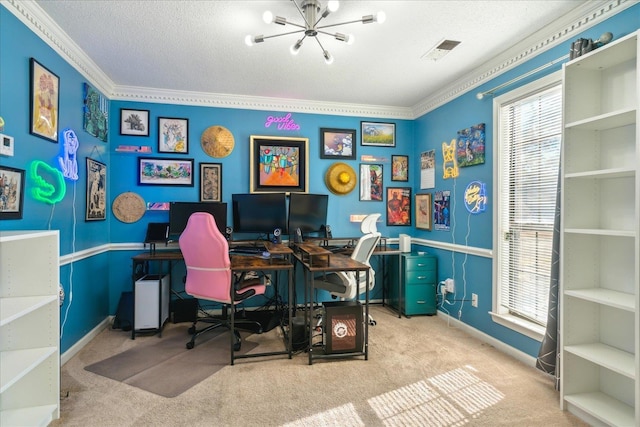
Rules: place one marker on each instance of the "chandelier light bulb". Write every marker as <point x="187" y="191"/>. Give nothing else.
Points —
<point x="381" y="17"/>
<point x="327" y="57"/>
<point x="333" y="5"/>
<point x="248" y="40"/>
<point x="296" y="47"/>
<point x="350" y="39"/>
<point x="267" y="17"/>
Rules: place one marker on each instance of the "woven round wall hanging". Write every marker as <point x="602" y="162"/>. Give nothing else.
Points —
<point x="128" y="207"/>
<point x="217" y="141"/>
<point x="340" y="178"/>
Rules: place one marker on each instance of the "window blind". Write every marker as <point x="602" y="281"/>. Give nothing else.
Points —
<point x="530" y="136"/>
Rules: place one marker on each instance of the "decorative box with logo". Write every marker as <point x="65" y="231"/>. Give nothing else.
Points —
<point x="343" y="323"/>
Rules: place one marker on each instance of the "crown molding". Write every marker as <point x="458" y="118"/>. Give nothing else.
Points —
<point x="587" y="15"/>
<point x="131" y="93"/>
<point x="566" y="27"/>
<point x="32" y="15"/>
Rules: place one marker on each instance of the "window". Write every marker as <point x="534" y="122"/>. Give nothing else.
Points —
<point x="528" y="132"/>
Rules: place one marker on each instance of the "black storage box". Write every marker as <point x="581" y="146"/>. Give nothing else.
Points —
<point x="184" y="310"/>
<point x="343" y="327"/>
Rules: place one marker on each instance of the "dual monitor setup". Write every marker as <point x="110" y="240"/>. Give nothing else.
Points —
<point x="259" y="213"/>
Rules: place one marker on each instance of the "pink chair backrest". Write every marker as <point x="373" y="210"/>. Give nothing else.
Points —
<point x="206" y="255"/>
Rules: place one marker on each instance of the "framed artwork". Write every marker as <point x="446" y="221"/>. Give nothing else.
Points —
<point x="278" y="164"/>
<point x="173" y="135"/>
<point x="470" y="146"/>
<point x="157" y="171"/>
<point x="378" y="134"/>
<point x="337" y="143"/>
<point x="96" y="191"/>
<point x="423" y="211"/>
<point x="95" y="113"/>
<point x="371" y="182"/>
<point x="44" y="102"/>
<point x="11" y="192"/>
<point x="398" y="206"/>
<point x="134" y="122"/>
<point x="399" y="168"/>
<point x="210" y="182"/>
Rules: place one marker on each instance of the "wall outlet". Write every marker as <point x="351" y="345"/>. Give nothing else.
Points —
<point x="443" y="289"/>
<point x="450" y="285"/>
<point x="474" y="300"/>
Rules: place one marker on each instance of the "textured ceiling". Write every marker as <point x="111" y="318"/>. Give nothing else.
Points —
<point x="198" y="46"/>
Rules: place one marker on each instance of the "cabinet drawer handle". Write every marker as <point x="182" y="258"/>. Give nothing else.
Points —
<point x="421" y="265"/>
<point x="422" y="277"/>
<point x="420" y="302"/>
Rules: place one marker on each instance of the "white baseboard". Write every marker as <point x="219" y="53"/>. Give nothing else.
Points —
<point x="513" y="352"/>
<point x="74" y="349"/>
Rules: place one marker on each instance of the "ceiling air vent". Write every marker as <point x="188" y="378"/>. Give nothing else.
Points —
<point x="440" y="50"/>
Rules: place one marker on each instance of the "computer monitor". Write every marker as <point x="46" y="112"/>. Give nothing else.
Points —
<point x="179" y="213"/>
<point x="308" y="212"/>
<point x="259" y="212"/>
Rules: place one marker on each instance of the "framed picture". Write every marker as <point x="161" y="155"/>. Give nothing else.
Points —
<point x="423" y="211"/>
<point x="378" y="134"/>
<point x="399" y="168"/>
<point x="134" y="122"/>
<point x="278" y="164"/>
<point x="96" y="191"/>
<point x="44" y="102"/>
<point x="398" y="206"/>
<point x="371" y="182"/>
<point x="173" y="135"/>
<point x="337" y="143"/>
<point x="11" y="192"/>
<point x="95" y="113"/>
<point x="210" y="182"/>
<point x="156" y="171"/>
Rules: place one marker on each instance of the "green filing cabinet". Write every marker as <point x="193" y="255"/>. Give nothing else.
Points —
<point x="413" y="284"/>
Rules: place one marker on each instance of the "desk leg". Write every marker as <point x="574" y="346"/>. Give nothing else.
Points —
<point x="366" y="309"/>
<point x="290" y="338"/>
<point x="309" y="277"/>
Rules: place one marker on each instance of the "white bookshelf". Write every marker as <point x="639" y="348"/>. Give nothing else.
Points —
<point x="29" y="328"/>
<point x="600" y="236"/>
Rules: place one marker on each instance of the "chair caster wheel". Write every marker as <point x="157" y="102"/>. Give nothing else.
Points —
<point x="238" y="341"/>
<point x="372" y="322"/>
<point x="190" y="345"/>
<point x="191" y="330"/>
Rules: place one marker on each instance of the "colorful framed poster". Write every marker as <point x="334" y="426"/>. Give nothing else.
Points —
<point x="95" y="113"/>
<point x="162" y="171"/>
<point x="399" y="168"/>
<point x="173" y="135"/>
<point x="378" y="134"/>
<point x="96" y="191"/>
<point x="423" y="211"/>
<point x="278" y="164"/>
<point x="44" y="101"/>
<point x="371" y="186"/>
<point x="11" y="192"/>
<point x="470" y="146"/>
<point x="210" y="182"/>
<point x="337" y="143"/>
<point x="398" y="206"/>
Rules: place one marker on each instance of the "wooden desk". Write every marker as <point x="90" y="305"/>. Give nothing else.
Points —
<point x="239" y="263"/>
<point x="335" y="263"/>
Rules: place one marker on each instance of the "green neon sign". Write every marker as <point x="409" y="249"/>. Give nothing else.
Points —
<point x="44" y="190"/>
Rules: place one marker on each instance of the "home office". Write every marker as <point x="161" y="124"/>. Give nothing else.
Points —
<point x="95" y="253"/>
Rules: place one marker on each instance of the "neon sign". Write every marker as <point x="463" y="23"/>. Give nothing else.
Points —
<point x="283" y="122"/>
<point x="68" y="162"/>
<point x="475" y="197"/>
<point x="43" y="190"/>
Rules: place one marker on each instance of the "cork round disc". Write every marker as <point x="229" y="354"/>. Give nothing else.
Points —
<point x="128" y="207"/>
<point x="217" y="141"/>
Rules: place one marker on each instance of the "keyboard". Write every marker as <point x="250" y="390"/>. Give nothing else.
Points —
<point x="247" y="250"/>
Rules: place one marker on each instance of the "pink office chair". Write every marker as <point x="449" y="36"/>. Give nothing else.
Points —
<point x="209" y="276"/>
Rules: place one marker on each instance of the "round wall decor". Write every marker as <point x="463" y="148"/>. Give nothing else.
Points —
<point x="128" y="207"/>
<point x="217" y="141"/>
<point x="340" y="178"/>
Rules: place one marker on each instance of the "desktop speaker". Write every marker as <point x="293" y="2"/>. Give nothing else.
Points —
<point x="326" y="231"/>
<point x="343" y="327"/>
<point x="277" y="236"/>
<point x="228" y="233"/>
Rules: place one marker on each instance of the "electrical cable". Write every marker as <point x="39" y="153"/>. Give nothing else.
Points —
<point x="73" y="251"/>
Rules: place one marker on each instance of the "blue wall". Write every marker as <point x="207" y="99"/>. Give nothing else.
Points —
<point x="96" y="279"/>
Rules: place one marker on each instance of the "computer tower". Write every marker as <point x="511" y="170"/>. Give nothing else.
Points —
<point x="343" y="327"/>
<point x="147" y="301"/>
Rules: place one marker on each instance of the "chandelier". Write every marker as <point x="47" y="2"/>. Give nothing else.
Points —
<point x="312" y="13"/>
